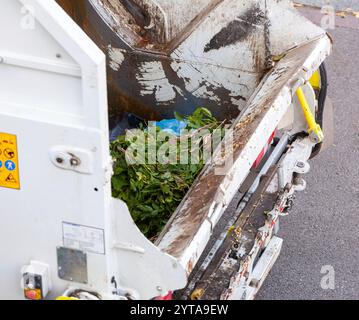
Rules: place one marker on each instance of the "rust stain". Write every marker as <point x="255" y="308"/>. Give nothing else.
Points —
<point x="190" y="267"/>
<point x="77" y="12"/>
<point x="141" y="16"/>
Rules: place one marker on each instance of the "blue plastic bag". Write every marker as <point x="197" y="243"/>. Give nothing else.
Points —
<point x="172" y="126"/>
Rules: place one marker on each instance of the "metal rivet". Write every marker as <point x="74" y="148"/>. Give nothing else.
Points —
<point x="159" y="288"/>
<point x="75" y="162"/>
<point x="59" y="160"/>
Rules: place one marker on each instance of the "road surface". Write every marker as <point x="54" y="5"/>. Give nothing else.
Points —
<point x="338" y="4"/>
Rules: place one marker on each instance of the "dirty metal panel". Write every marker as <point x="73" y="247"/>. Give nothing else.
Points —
<point x="164" y="58"/>
<point x="189" y="230"/>
<point x="217" y="275"/>
<point x="239" y="247"/>
<point x="128" y="20"/>
<point x="72" y="265"/>
<point x="232" y="36"/>
<point x="216" y="60"/>
<point x="225" y="57"/>
<point x="179" y="14"/>
<point x="250" y="287"/>
<point x="283" y="28"/>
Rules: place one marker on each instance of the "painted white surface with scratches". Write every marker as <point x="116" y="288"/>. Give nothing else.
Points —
<point x="117" y="57"/>
<point x="153" y="80"/>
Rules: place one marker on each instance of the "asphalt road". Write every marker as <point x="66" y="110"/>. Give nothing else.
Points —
<point x="338" y="4"/>
<point x="323" y="229"/>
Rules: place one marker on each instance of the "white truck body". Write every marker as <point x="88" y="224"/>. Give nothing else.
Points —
<point x="59" y="219"/>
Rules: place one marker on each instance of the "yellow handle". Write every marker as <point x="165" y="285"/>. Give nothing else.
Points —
<point x="315" y="131"/>
<point x="66" y="298"/>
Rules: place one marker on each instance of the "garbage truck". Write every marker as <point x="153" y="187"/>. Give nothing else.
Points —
<point x="71" y="70"/>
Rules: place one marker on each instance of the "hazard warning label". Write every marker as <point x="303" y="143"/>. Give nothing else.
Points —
<point x="9" y="163"/>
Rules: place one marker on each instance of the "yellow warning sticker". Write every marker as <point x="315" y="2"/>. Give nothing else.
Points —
<point x="9" y="163"/>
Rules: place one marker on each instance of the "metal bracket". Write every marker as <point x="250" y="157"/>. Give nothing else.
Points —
<point x="70" y="158"/>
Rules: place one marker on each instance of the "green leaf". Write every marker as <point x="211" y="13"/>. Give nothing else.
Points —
<point x="153" y="192"/>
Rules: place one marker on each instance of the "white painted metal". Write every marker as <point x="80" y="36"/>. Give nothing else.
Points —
<point x="296" y="162"/>
<point x="260" y="272"/>
<point x="53" y="97"/>
<point x="237" y="67"/>
<point x="294" y="119"/>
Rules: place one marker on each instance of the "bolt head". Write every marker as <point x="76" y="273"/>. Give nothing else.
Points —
<point x="75" y="162"/>
<point x="300" y="165"/>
